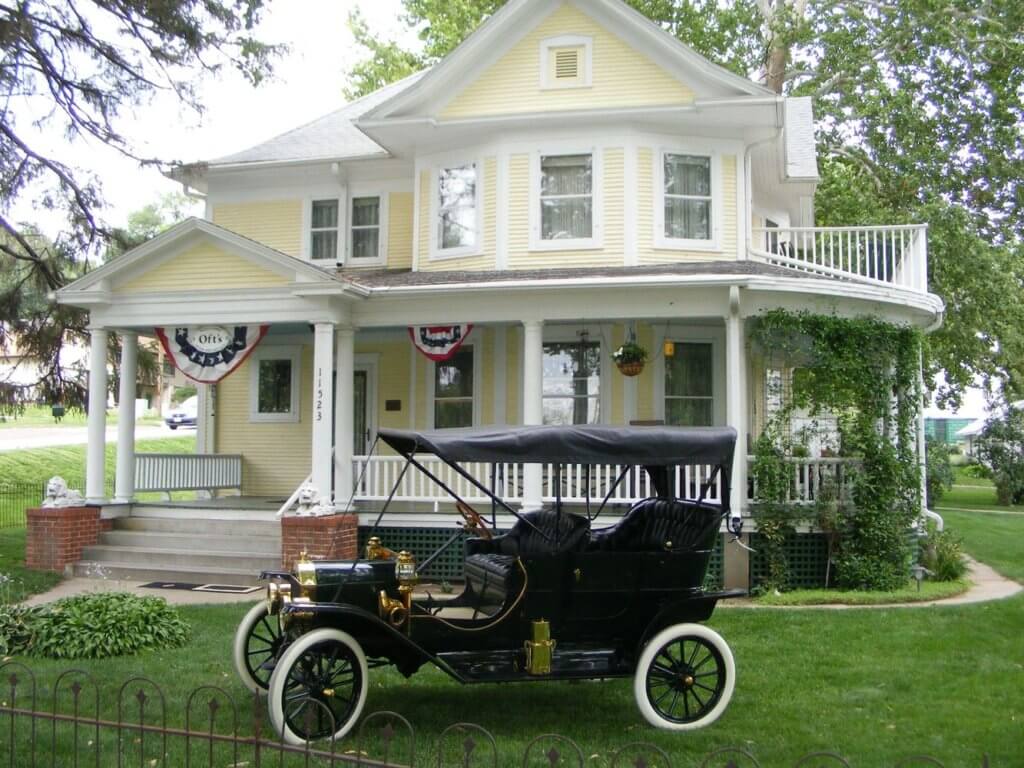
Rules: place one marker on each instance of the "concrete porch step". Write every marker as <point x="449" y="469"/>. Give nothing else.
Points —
<point x="181" y="559"/>
<point x="240" y="543"/>
<point x="117" y="571"/>
<point x="211" y="513"/>
<point x="196" y="527"/>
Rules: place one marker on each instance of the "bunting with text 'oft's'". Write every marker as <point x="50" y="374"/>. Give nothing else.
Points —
<point x="439" y="342"/>
<point x="208" y="353"/>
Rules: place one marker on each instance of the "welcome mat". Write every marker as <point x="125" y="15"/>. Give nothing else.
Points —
<point x="231" y="589"/>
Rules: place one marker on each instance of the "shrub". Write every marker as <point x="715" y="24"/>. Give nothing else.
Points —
<point x="1001" y="449"/>
<point x="977" y="471"/>
<point x="104" y="624"/>
<point x="939" y="471"/>
<point x="942" y="554"/>
<point x="16" y="625"/>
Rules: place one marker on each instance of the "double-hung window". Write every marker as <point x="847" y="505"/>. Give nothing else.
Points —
<point x="572" y="382"/>
<point x="689" y="397"/>
<point x="566" y="198"/>
<point x="457" y="210"/>
<point x="365" y="245"/>
<point x="687" y="206"/>
<point x="453" y="390"/>
<point x="323" y="231"/>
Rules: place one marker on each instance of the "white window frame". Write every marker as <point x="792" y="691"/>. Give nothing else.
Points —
<point x="679" y="243"/>
<point x="382" y="236"/>
<point x="569" y="333"/>
<point x="665" y="397"/>
<point x="307" y="227"/>
<point x="477" y="383"/>
<point x="692" y="334"/>
<point x="566" y="41"/>
<point x="435" y="252"/>
<point x="294" y="355"/>
<point x="594" y="242"/>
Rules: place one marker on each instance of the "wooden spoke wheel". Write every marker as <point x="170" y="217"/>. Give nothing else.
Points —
<point x="318" y="688"/>
<point x="685" y="678"/>
<point x="258" y="642"/>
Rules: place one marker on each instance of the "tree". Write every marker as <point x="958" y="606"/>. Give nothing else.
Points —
<point x="1000" y="448"/>
<point x="72" y="68"/>
<point x="918" y="120"/>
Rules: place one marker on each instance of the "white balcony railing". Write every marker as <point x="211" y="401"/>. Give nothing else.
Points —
<point x="376" y="476"/>
<point x="187" y="472"/>
<point x="889" y="255"/>
<point x="807" y="476"/>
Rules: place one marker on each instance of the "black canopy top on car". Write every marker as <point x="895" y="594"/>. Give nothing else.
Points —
<point x="639" y="446"/>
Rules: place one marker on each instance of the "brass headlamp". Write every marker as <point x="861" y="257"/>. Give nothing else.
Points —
<point x="305" y="572"/>
<point x="278" y="594"/>
<point x="396" y="612"/>
<point x="405" y="570"/>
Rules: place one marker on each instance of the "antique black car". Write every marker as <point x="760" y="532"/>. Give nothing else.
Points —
<point x="553" y="598"/>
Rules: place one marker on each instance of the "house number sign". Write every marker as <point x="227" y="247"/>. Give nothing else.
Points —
<point x="208" y="353"/>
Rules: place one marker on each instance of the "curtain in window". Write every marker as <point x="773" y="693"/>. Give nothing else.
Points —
<point x="365" y="227"/>
<point x="457" y="207"/>
<point x="566" y="202"/>
<point x="688" y="197"/>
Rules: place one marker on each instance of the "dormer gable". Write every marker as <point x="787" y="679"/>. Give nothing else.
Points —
<point x="563" y="55"/>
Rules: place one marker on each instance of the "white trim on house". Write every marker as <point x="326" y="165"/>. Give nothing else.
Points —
<point x="340" y="197"/>
<point x="697" y="149"/>
<point x="586" y="61"/>
<point x="265" y="351"/>
<point x="558" y="149"/>
<point x="435" y="252"/>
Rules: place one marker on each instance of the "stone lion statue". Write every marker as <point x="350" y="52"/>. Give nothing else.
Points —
<point x="59" y="495"/>
<point x="310" y="503"/>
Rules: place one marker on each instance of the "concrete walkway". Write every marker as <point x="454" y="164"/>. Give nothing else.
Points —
<point x="986" y="585"/>
<point x="83" y="586"/>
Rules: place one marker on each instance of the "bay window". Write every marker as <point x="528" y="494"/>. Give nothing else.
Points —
<point x="687" y="200"/>
<point x="566" y="197"/>
<point x="457" y="209"/>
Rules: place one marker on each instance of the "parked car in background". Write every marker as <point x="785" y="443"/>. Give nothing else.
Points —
<point x="184" y="415"/>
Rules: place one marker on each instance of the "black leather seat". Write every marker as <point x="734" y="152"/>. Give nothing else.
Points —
<point x="659" y="525"/>
<point x="490" y="568"/>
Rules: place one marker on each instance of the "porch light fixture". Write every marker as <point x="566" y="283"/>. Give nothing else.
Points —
<point x="669" y="348"/>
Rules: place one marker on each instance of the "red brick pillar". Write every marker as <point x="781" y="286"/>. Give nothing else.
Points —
<point x="56" y="535"/>
<point x="331" y="537"/>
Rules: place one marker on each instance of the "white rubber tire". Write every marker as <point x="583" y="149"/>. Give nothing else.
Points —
<point x="280" y="676"/>
<point x="676" y="631"/>
<point x="240" y="647"/>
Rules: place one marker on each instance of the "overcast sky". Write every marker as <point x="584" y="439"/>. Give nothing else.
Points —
<point x="308" y="83"/>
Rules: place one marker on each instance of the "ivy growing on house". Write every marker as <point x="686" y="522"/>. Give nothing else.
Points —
<point x="859" y="377"/>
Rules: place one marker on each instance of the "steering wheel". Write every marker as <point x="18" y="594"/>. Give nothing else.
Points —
<point x="474" y="521"/>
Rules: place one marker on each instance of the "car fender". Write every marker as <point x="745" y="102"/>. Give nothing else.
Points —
<point x="374" y="633"/>
<point x="693" y="609"/>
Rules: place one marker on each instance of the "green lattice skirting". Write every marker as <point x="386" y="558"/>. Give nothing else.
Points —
<point x="806" y="555"/>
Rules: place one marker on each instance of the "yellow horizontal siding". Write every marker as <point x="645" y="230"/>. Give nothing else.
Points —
<point x="276" y="223"/>
<point x="203" y="267"/>
<point x="276" y="457"/>
<point x="400" y="207"/>
<point x="485" y="348"/>
<point x="646" y="251"/>
<point x="621" y="76"/>
<point x="513" y="376"/>
<point x="490" y="202"/>
<point x="610" y="254"/>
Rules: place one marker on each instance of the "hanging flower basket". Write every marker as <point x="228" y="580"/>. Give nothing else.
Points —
<point x="630" y="358"/>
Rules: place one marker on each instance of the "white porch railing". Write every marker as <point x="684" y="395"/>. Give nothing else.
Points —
<point x="807" y="475"/>
<point x="375" y="476"/>
<point x="890" y="255"/>
<point x="187" y="472"/>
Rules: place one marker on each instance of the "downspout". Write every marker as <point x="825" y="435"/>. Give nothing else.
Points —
<point x="749" y="202"/>
<point x="922" y="445"/>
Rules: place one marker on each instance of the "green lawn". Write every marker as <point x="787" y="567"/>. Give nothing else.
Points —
<point x="930" y="590"/>
<point x="22" y="582"/>
<point x="33" y="464"/>
<point x="874" y="685"/>
<point x="41" y="416"/>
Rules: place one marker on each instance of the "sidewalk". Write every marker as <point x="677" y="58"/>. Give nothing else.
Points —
<point x="987" y="585"/>
<point x="82" y="586"/>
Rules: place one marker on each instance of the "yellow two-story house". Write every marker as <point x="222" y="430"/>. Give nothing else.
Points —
<point x="570" y="178"/>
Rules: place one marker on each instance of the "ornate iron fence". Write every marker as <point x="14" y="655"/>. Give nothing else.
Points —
<point x="68" y="728"/>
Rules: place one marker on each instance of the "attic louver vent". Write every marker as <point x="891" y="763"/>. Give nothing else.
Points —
<point x="567" y="63"/>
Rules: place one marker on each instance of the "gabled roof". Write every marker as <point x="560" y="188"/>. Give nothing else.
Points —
<point x="512" y="21"/>
<point x="331" y="137"/>
<point x="198" y="229"/>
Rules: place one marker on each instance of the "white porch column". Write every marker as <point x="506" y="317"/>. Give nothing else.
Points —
<point x="736" y="399"/>
<point x="95" y="474"/>
<point x="124" y="489"/>
<point x="323" y="415"/>
<point x="344" y="417"/>
<point x="533" y="405"/>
